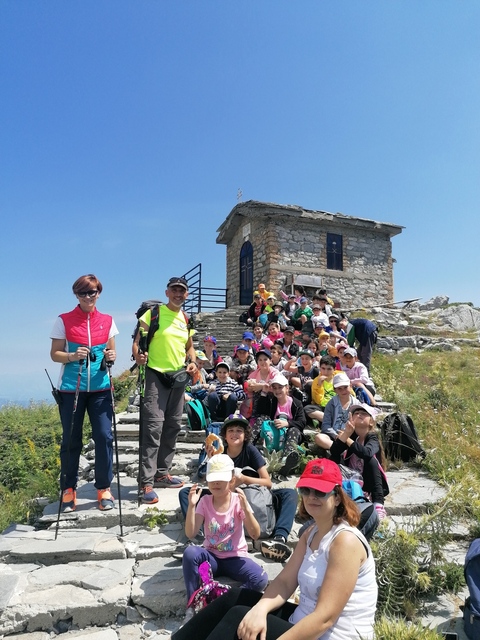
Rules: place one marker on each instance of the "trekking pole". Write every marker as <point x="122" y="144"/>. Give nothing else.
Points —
<point x="142" y="348"/>
<point x="63" y="476"/>
<point x="109" y="364"/>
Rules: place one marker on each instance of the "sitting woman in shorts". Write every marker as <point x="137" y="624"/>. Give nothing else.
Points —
<point x="332" y="564"/>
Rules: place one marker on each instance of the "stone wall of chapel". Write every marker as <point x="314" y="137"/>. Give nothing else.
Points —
<point x="285" y="246"/>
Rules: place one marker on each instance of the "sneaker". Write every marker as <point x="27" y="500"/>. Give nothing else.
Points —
<point x="276" y="549"/>
<point x="167" y="482"/>
<point x="148" y="495"/>
<point x="290" y="463"/>
<point x="69" y="500"/>
<point x="105" y="499"/>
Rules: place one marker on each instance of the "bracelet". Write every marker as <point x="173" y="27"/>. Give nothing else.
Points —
<point x="68" y="356"/>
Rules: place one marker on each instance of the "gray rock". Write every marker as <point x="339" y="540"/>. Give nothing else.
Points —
<point x="434" y="303"/>
<point x="442" y="346"/>
<point x="460" y="318"/>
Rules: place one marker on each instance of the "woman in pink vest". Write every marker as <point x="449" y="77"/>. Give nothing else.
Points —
<point x="83" y="341"/>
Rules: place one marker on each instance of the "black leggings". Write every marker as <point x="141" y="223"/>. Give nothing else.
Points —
<point x="220" y="620"/>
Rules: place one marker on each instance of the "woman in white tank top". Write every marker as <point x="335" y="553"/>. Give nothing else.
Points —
<point x="333" y="565"/>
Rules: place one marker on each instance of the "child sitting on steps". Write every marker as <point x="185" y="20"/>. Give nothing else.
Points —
<point x="223" y="514"/>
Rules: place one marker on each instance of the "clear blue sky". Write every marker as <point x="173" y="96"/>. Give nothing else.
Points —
<point x="128" y="126"/>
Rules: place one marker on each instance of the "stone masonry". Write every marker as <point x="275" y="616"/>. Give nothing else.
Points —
<point x="289" y="241"/>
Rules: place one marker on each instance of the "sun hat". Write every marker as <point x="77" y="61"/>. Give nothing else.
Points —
<point x="363" y="407"/>
<point x="350" y="352"/>
<point x="320" y="474"/>
<point x="341" y="380"/>
<point x="211" y="339"/>
<point x="220" y="468"/>
<point x="248" y="335"/>
<point x="201" y="356"/>
<point x="265" y="352"/>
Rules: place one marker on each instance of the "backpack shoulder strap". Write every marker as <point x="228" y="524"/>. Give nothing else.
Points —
<point x="154" y="322"/>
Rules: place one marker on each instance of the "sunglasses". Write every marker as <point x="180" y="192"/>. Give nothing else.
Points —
<point x="306" y="491"/>
<point x="88" y="294"/>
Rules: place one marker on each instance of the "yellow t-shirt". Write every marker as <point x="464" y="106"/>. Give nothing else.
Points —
<point x="166" y="351"/>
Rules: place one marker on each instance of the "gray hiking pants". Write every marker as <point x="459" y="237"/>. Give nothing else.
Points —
<point x="161" y="422"/>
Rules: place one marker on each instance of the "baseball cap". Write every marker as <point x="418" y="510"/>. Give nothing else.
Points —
<point x="303" y="300"/>
<point x="211" y="339"/>
<point x="341" y="345"/>
<point x="220" y="468"/>
<point x="350" y="352"/>
<point x="279" y="379"/>
<point x="341" y="380"/>
<point x="320" y="474"/>
<point x="289" y="330"/>
<point x="306" y="352"/>
<point x="181" y="282"/>
<point x="222" y="364"/>
<point x="201" y="356"/>
<point x="265" y="352"/>
<point x="364" y="407"/>
<point x="248" y="335"/>
<point x="242" y="347"/>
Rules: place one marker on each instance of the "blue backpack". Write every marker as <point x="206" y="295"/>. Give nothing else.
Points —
<point x="471" y="611"/>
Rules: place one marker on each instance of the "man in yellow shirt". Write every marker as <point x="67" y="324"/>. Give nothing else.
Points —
<point x="163" y="400"/>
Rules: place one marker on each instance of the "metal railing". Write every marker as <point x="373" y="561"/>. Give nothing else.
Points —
<point x="202" y="298"/>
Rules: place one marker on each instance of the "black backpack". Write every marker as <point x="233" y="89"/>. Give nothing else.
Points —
<point x="400" y="439"/>
<point x="471" y="611"/>
<point x="154" y="306"/>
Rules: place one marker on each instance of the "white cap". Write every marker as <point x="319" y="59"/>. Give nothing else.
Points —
<point x="220" y="468"/>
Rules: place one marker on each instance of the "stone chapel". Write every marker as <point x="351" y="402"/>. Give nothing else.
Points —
<point x="283" y="245"/>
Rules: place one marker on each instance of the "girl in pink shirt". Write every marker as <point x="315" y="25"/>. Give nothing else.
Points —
<point x="223" y="515"/>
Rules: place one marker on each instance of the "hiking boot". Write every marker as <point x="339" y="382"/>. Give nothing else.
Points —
<point x="276" y="549"/>
<point x="167" y="482"/>
<point x="105" y="499"/>
<point x="69" y="500"/>
<point x="148" y="495"/>
<point x="290" y="463"/>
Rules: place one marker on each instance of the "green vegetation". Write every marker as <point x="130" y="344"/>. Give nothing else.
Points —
<point x="154" y="518"/>
<point x="30" y="439"/>
<point x="29" y="459"/>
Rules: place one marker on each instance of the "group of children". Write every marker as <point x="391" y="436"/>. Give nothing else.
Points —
<point x="293" y="367"/>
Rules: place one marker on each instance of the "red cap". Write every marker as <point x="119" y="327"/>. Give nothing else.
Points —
<point x="321" y="474"/>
